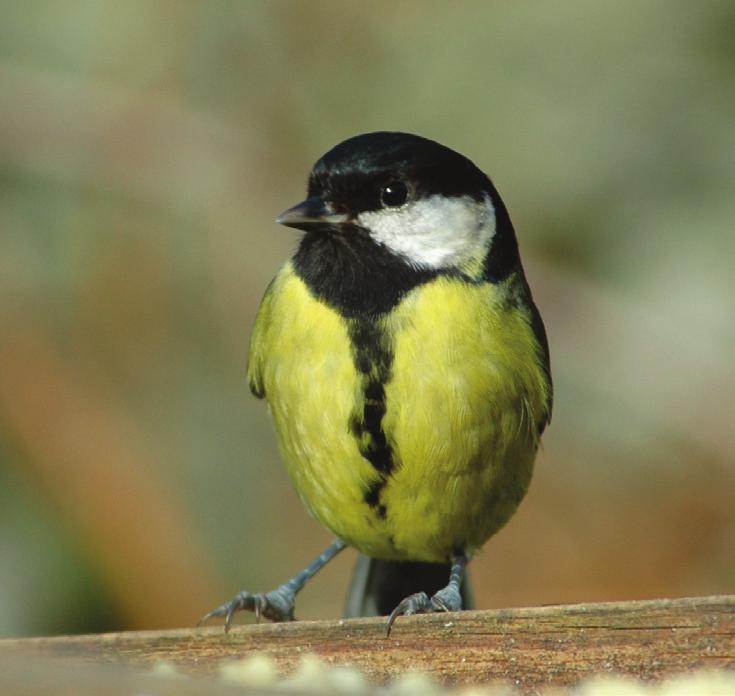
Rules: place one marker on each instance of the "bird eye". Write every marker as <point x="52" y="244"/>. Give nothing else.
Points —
<point x="393" y="194"/>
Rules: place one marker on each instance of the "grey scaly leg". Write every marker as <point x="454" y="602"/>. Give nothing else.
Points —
<point x="449" y="598"/>
<point x="278" y="604"/>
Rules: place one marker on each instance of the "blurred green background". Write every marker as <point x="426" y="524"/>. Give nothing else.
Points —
<point x="145" y="149"/>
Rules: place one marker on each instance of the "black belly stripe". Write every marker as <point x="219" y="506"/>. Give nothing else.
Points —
<point x="373" y="359"/>
<point x="372" y="498"/>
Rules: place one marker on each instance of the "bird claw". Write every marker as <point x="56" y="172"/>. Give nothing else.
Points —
<point x="277" y="605"/>
<point x="446" y="599"/>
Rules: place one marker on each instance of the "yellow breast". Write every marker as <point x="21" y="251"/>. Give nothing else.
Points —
<point x="459" y="408"/>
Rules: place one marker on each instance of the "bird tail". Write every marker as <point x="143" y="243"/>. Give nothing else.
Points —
<point x="378" y="586"/>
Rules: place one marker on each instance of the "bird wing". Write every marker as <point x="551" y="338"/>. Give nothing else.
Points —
<point x="539" y="330"/>
<point x="258" y="343"/>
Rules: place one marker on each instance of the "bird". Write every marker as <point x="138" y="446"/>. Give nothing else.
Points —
<point x="406" y="369"/>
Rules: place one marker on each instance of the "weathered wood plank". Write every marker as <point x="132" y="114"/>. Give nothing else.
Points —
<point x="528" y="647"/>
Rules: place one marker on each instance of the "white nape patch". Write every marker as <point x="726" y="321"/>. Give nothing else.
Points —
<point x="438" y="232"/>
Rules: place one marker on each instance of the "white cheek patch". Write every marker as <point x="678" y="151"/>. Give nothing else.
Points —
<point x="436" y="232"/>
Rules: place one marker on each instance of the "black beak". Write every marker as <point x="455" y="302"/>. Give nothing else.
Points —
<point x="313" y="212"/>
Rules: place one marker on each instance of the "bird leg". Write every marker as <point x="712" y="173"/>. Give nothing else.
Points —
<point x="278" y="604"/>
<point x="449" y="598"/>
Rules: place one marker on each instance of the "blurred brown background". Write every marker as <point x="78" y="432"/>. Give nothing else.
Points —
<point x="145" y="149"/>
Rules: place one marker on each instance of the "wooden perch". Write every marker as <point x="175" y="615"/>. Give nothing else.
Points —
<point x="530" y="648"/>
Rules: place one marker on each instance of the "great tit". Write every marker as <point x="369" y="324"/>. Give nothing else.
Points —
<point x="406" y="368"/>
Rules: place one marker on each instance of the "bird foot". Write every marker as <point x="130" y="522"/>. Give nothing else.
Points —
<point x="277" y="605"/>
<point x="446" y="599"/>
